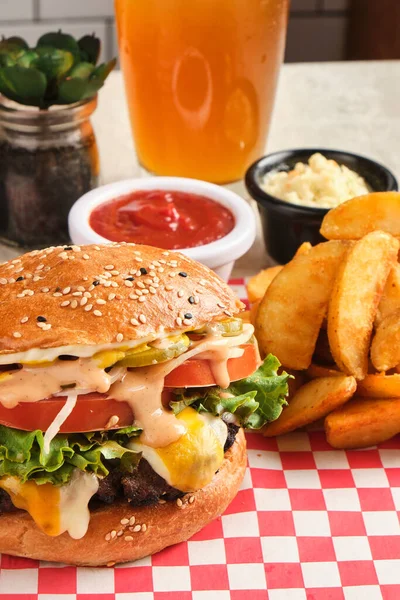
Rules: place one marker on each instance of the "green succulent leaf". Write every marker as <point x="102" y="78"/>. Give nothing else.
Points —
<point x="62" y="41"/>
<point x="76" y="89"/>
<point x="89" y="46"/>
<point x="27" y="58"/>
<point x="103" y="70"/>
<point x="23" y="85"/>
<point x="83" y="70"/>
<point x="53" y="62"/>
<point x="15" y="42"/>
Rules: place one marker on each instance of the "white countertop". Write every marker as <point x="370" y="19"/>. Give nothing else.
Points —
<point x="349" y="106"/>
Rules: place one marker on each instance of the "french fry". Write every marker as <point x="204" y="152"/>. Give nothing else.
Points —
<point x="312" y="401"/>
<point x="354" y="300"/>
<point x="390" y="301"/>
<point x="379" y="385"/>
<point x="385" y="347"/>
<point x="359" y="216"/>
<point x="315" y="371"/>
<point x="290" y="314"/>
<point x="258" y="285"/>
<point x="363" y="422"/>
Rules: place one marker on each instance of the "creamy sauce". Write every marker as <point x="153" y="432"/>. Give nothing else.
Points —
<point x="32" y="384"/>
<point x="75" y="497"/>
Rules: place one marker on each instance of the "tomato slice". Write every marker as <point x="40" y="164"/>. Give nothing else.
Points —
<point x="197" y="373"/>
<point x="94" y="411"/>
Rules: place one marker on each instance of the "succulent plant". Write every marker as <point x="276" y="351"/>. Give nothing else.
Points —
<point x="59" y="70"/>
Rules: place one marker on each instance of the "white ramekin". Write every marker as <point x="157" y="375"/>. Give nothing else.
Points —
<point x="219" y="256"/>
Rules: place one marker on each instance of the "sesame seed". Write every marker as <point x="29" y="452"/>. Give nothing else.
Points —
<point x="24" y="320"/>
<point x="161" y="501"/>
<point x="152" y="273"/>
<point x="144" y="527"/>
<point x="137" y="528"/>
<point x="160" y="269"/>
<point x="21" y="295"/>
<point x="134" y="322"/>
<point x="180" y="293"/>
<point x="162" y="261"/>
<point x="186" y="322"/>
<point x="133" y="296"/>
<point x="196" y="299"/>
<point x="142" y="299"/>
<point x="120" y="532"/>
<point x="107" y="284"/>
<point x="39" y="267"/>
<point x="128" y="538"/>
<point x="130" y="278"/>
<point x="101" y="301"/>
<point x="97" y="313"/>
<point x="96" y="282"/>
<point x="57" y="295"/>
<point x="88" y="307"/>
<point x="16" y="334"/>
<point x="21" y="279"/>
<point x="41" y="325"/>
<point x="165" y="253"/>
<point x="45" y="290"/>
<point x="109" y="267"/>
<point x="191" y="300"/>
<point x="107" y="537"/>
<point x="188" y="315"/>
<point x="152" y="290"/>
<point x="132" y="521"/>
<point x="113" y="534"/>
<point x="140" y="284"/>
<point x="85" y="256"/>
<point x="139" y="292"/>
<point x="179" y="321"/>
<point x="3" y="281"/>
<point x="179" y="502"/>
<point x="74" y="303"/>
<point x="80" y="288"/>
<point x="68" y="248"/>
<point x="168" y="288"/>
<point x="114" y="284"/>
<point x="124" y="521"/>
<point x="83" y="301"/>
<point x="65" y="303"/>
<point x="191" y="499"/>
<point x="202" y="282"/>
<point x="77" y="293"/>
<point x="41" y="319"/>
<point x="143" y="271"/>
<point x="142" y="318"/>
<point x="129" y="283"/>
<point x="46" y="326"/>
<point x="36" y="278"/>
<point x="111" y="296"/>
<point x="220" y="305"/>
<point x="87" y="294"/>
<point x="172" y="274"/>
<point x="97" y="248"/>
<point x="120" y="337"/>
<point x="114" y="272"/>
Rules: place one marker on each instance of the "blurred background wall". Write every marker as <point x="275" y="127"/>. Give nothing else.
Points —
<point x="319" y="30"/>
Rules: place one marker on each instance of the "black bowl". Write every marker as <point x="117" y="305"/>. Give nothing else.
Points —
<point x="286" y="226"/>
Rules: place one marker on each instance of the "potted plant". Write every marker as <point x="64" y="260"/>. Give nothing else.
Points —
<point x="48" y="151"/>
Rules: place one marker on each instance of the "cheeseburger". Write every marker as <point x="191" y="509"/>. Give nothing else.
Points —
<point x="126" y="379"/>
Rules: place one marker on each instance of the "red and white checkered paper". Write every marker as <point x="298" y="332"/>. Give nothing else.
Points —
<point x="309" y="523"/>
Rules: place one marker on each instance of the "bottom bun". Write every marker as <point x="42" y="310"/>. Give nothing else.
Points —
<point x="161" y="525"/>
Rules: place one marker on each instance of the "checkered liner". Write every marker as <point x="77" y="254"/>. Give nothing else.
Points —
<point x="309" y="523"/>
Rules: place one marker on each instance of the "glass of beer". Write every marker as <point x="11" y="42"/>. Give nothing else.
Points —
<point x="200" y="79"/>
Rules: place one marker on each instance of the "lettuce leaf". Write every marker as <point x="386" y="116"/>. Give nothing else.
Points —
<point x="22" y="454"/>
<point x="255" y="400"/>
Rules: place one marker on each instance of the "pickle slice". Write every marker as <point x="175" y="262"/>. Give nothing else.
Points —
<point x="150" y="355"/>
<point x="227" y="328"/>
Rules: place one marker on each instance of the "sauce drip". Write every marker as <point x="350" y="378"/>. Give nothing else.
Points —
<point x="163" y="218"/>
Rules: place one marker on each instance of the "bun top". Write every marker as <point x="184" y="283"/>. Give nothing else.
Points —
<point x="93" y="295"/>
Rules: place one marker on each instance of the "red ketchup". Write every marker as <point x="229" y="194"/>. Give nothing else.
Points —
<point x="167" y="219"/>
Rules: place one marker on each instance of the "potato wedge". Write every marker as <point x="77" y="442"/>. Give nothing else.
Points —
<point x="355" y="297"/>
<point x="258" y="284"/>
<point x="379" y="385"/>
<point x="315" y="371"/>
<point x="385" y="347"/>
<point x="363" y="422"/>
<point x="390" y="301"/>
<point x="290" y="314"/>
<point x="303" y="248"/>
<point x="357" y="217"/>
<point x="253" y="312"/>
<point x="313" y="400"/>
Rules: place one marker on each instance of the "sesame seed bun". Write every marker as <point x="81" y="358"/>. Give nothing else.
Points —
<point x="161" y="525"/>
<point x="92" y="295"/>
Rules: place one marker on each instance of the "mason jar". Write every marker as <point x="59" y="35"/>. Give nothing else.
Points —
<point x="48" y="159"/>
